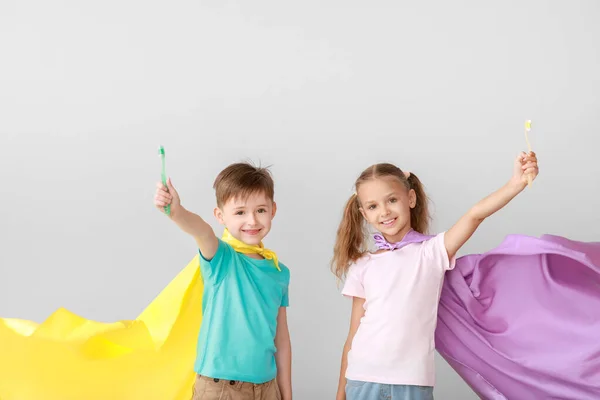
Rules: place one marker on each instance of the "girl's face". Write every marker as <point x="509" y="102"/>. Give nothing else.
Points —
<point x="386" y="203"/>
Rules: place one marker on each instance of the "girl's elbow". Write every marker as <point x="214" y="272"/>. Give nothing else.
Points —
<point x="475" y="216"/>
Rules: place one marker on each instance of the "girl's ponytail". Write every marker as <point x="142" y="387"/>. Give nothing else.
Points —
<point x="350" y="239"/>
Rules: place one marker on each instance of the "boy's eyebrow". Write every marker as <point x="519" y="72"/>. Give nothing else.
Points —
<point x="240" y="207"/>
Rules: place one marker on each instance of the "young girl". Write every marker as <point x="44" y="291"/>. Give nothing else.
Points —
<point x="389" y="352"/>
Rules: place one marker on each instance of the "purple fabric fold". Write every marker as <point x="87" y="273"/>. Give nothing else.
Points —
<point x="522" y="321"/>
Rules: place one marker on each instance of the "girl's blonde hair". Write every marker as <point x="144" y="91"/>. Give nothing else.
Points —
<point x="350" y="244"/>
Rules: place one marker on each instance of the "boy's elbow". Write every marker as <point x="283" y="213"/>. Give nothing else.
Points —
<point x="203" y="231"/>
<point x="283" y="342"/>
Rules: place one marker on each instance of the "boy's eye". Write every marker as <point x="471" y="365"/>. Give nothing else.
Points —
<point x="393" y="200"/>
<point x="262" y="210"/>
<point x="239" y="212"/>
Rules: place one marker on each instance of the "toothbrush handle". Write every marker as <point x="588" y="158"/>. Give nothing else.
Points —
<point x="529" y="179"/>
<point x="163" y="173"/>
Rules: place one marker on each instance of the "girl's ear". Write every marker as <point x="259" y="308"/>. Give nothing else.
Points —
<point x="412" y="198"/>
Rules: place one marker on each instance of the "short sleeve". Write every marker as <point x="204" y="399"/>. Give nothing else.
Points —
<point x="354" y="286"/>
<point x="216" y="268"/>
<point x="436" y="253"/>
<point x="283" y="277"/>
<point x="285" y="299"/>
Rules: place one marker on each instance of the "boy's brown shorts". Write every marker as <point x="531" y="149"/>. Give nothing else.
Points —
<point x="206" y="388"/>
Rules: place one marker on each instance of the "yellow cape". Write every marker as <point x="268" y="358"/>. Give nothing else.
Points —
<point x="68" y="357"/>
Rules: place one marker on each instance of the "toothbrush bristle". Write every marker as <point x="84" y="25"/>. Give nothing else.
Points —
<point x="161" y="151"/>
<point x="528" y="124"/>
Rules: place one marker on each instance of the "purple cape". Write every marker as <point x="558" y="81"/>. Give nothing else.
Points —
<point x="522" y="321"/>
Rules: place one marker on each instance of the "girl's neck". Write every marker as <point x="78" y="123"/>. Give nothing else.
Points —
<point x="398" y="236"/>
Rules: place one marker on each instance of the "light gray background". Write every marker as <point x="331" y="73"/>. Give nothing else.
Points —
<point x="317" y="89"/>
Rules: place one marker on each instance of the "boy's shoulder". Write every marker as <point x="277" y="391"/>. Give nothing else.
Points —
<point x="284" y="269"/>
<point x="281" y="276"/>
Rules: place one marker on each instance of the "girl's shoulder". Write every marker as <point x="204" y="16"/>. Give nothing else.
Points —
<point x="361" y="262"/>
<point x="368" y="258"/>
<point x="378" y="251"/>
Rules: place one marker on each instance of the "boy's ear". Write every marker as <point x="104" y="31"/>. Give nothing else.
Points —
<point x="274" y="211"/>
<point x="219" y="215"/>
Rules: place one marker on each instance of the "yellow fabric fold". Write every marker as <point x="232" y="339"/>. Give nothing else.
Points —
<point x="68" y="357"/>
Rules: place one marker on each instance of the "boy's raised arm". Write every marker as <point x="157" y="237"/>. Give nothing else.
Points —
<point x="187" y="221"/>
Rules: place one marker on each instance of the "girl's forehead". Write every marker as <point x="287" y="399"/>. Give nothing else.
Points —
<point x="380" y="184"/>
<point x="375" y="190"/>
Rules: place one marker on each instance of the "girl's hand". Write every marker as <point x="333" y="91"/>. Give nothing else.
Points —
<point x="167" y="195"/>
<point x="526" y="166"/>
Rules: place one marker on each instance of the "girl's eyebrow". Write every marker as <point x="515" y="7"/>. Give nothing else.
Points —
<point x="387" y="195"/>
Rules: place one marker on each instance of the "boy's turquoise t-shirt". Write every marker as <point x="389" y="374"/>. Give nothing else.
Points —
<point x="241" y="301"/>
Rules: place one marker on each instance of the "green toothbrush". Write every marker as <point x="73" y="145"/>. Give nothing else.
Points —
<point x="161" y="154"/>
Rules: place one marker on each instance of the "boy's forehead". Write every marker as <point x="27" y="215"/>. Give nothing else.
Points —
<point x="248" y="199"/>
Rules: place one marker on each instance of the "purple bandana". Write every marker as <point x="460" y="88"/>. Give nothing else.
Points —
<point x="411" y="236"/>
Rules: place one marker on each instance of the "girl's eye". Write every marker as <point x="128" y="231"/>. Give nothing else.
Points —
<point x="372" y="207"/>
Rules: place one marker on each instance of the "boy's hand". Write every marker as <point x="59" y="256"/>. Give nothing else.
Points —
<point x="187" y="221"/>
<point x="167" y="195"/>
<point x="525" y="166"/>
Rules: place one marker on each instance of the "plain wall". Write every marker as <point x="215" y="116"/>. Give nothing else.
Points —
<point x="319" y="90"/>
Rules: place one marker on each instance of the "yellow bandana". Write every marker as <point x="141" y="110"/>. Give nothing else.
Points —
<point x="244" y="248"/>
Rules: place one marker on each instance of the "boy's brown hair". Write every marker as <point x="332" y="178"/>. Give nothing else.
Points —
<point x="240" y="180"/>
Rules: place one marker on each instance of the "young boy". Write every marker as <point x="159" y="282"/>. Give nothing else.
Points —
<point x="244" y="349"/>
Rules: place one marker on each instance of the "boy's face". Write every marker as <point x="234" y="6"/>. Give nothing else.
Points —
<point x="248" y="220"/>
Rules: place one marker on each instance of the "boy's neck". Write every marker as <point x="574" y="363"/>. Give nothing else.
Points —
<point x="250" y="255"/>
